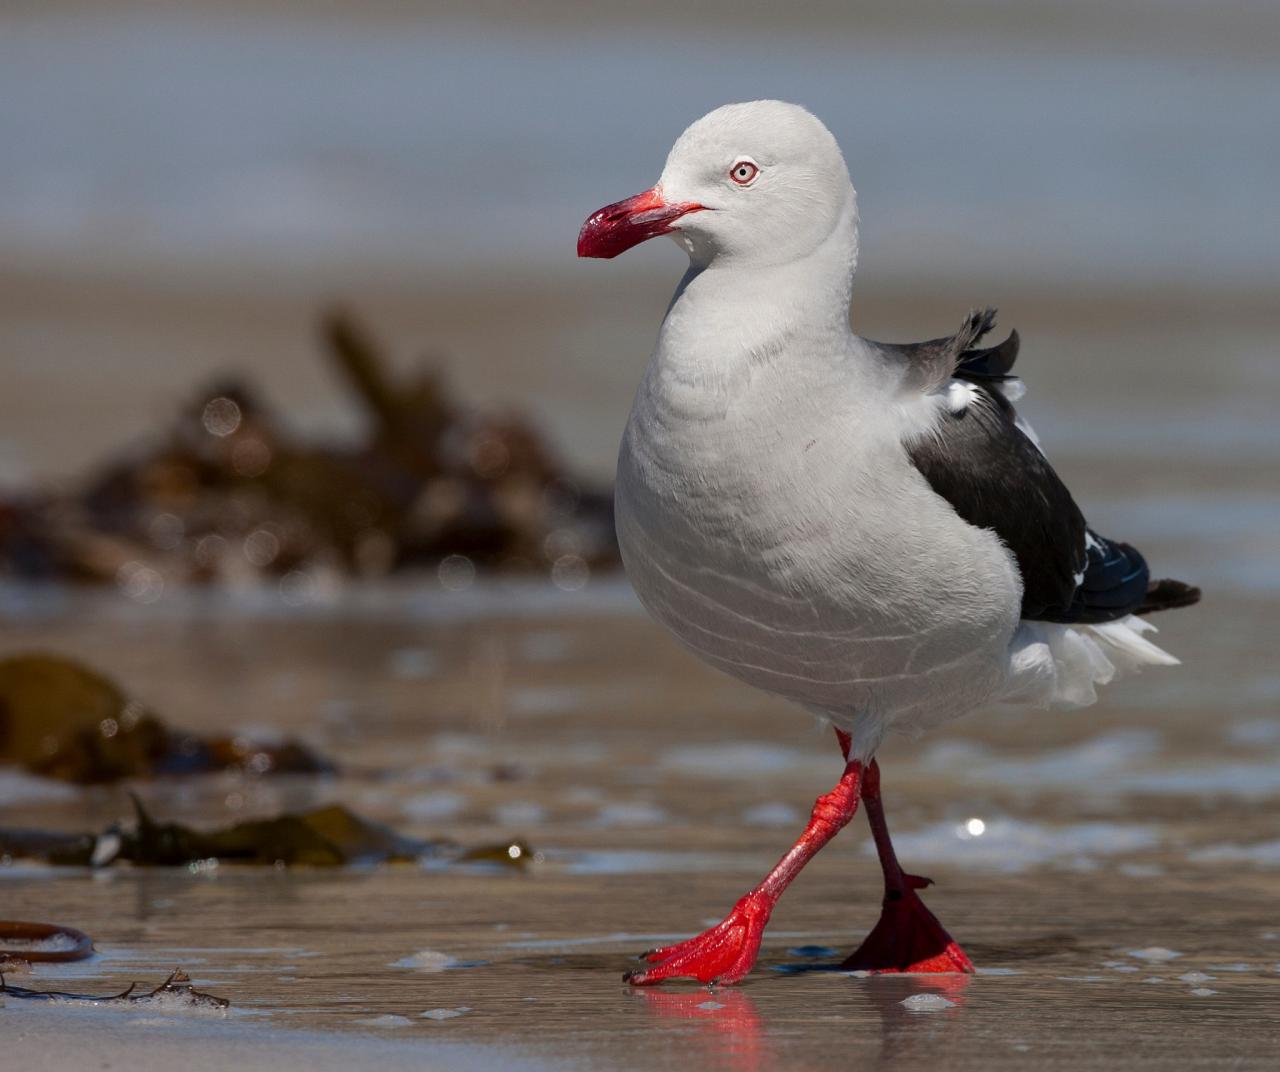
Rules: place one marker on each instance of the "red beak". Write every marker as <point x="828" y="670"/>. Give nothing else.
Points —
<point x="616" y="228"/>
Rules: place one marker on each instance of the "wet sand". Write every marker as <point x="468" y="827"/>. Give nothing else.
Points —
<point x="656" y="792"/>
<point x="53" y="1040"/>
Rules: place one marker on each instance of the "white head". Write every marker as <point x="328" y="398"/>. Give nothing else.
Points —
<point x="755" y="184"/>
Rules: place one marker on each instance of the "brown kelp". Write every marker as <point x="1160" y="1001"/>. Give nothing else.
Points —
<point x="331" y="836"/>
<point x="227" y="496"/>
<point x="62" y="719"/>
<point x="23" y="943"/>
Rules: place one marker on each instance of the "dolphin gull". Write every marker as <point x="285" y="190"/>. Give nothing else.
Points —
<point x="866" y="529"/>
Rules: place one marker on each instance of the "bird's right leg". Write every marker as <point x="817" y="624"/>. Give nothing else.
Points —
<point x="908" y="937"/>
<point x="726" y="952"/>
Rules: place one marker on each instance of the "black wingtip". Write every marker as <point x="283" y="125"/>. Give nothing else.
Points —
<point x="976" y="325"/>
<point x="1168" y="594"/>
<point x="1007" y="351"/>
<point x="992" y="363"/>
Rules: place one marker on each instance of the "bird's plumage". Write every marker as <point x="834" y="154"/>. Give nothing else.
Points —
<point x="868" y="529"/>
<point x="978" y="459"/>
<point x="983" y="460"/>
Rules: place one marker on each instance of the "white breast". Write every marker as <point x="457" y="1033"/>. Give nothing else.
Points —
<point x="771" y="519"/>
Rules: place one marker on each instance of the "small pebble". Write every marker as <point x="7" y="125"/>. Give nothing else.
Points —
<point x="1203" y="992"/>
<point x="1154" y="952"/>
<point x="1195" y="977"/>
<point x="711" y="1006"/>
<point x="926" y="1003"/>
<point x="426" y="960"/>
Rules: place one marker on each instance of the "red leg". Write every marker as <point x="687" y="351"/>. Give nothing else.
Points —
<point x="908" y="937"/>
<point x="727" y="951"/>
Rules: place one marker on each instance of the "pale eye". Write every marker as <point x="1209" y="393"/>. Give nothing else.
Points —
<point x="744" y="172"/>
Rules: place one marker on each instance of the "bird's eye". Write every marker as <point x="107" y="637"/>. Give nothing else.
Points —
<point x="744" y="172"/>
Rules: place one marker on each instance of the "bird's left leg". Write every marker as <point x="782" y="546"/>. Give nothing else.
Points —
<point x="726" y="952"/>
<point x="908" y="937"/>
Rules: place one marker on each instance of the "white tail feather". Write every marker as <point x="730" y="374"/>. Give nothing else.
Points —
<point x="1054" y="665"/>
<point x="1126" y="640"/>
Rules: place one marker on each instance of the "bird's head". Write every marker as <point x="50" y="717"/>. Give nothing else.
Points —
<point x="759" y="183"/>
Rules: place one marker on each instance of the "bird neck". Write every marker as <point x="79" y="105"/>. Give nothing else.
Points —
<point x="728" y="315"/>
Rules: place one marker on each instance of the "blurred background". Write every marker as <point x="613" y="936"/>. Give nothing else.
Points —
<point x="186" y="182"/>
<point x="308" y="416"/>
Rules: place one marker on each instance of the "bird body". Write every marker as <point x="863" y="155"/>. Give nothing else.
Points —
<point x="867" y="529"/>
<point x="769" y="516"/>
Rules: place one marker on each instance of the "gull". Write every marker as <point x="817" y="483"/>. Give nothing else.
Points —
<point x="867" y="529"/>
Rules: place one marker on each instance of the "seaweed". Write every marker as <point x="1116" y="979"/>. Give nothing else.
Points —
<point x="61" y="719"/>
<point x="24" y="943"/>
<point x="227" y="495"/>
<point x="47" y="846"/>
<point x="175" y="992"/>
<point x="331" y="836"/>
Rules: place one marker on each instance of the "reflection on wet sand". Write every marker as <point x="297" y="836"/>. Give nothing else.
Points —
<point x="732" y="1030"/>
<point x="727" y="1028"/>
<point x="910" y="1032"/>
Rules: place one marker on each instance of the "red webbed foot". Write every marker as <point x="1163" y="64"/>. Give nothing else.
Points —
<point x="908" y="938"/>
<point x="724" y="953"/>
<point x="727" y="952"/>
